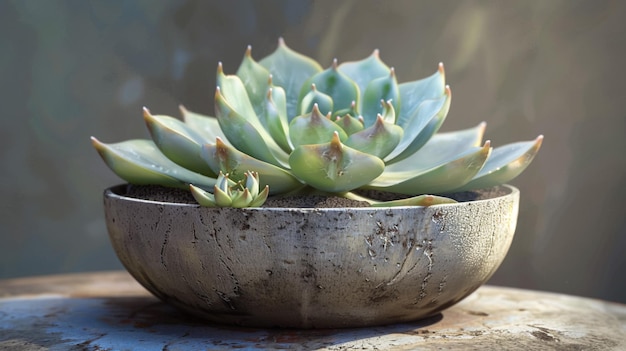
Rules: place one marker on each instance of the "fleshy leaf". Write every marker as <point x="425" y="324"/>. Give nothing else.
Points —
<point x="505" y="163"/>
<point x="350" y="124"/>
<point x="290" y="70"/>
<point x="420" y="200"/>
<point x="178" y="142"/>
<point x="204" y="198"/>
<point x="140" y="162"/>
<point x="313" y="128"/>
<point x="227" y="193"/>
<point x="341" y="89"/>
<point x="260" y="198"/>
<point x="389" y="112"/>
<point x="248" y="137"/>
<point x="378" y="140"/>
<point x="383" y="88"/>
<point x="438" y="179"/>
<point x="221" y="157"/>
<point x="234" y="91"/>
<point x="207" y="126"/>
<point x="426" y="121"/>
<point x="412" y="94"/>
<point x="366" y="70"/>
<point x="222" y="197"/>
<point x="441" y="148"/>
<point x="274" y="117"/>
<point x="241" y="198"/>
<point x="315" y="97"/>
<point x="255" y="78"/>
<point x="333" y="167"/>
<point x="352" y="111"/>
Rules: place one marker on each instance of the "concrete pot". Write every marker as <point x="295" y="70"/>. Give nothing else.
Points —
<point x="311" y="268"/>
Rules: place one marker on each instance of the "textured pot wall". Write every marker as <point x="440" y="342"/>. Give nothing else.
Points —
<point x="71" y="69"/>
<point x="305" y="268"/>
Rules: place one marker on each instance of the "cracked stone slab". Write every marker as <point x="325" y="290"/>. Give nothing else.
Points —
<point x="110" y="311"/>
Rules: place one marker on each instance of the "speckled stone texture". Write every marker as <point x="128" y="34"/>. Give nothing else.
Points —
<point x="311" y="268"/>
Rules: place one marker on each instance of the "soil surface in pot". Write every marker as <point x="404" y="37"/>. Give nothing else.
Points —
<point x="164" y="194"/>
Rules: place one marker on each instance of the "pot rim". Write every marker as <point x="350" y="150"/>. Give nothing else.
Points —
<point x="115" y="193"/>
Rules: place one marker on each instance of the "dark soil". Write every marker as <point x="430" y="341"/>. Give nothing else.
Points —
<point x="159" y="193"/>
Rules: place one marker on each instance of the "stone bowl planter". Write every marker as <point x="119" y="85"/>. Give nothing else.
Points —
<point x="312" y="268"/>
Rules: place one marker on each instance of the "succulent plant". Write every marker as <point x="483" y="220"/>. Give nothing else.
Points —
<point x="305" y="129"/>
<point x="227" y="193"/>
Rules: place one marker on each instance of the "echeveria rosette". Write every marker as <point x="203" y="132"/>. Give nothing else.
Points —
<point x="305" y="129"/>
<point x="227" y="193"/>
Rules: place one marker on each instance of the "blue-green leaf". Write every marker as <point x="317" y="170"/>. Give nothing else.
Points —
<point x="221" y="157"/>
<point x="255" y="78"/>
<point x="378" y="140"/>
<point x="333" y="167"/>
<point x="313" y="128"/>
<point x="364" y="71"/>
<point x="380" y="89"/>
<point x="341" y="89"/>
<point x="426" y="121"/>
<point x="247" y="136"/>
<point x="290" y="70"/>
<point x="505" y="163"/>
<point x="140" y="162"/>
<point x="435" y="179"/>
<point x="179" y="142"/>
<point x="412" y="94"/>
<point x="206" y="126"/>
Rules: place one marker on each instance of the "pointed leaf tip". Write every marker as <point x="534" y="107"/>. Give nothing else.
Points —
<point x="539" y="139"/>
<point x="147" y="116"/>
<point x="249" y="51"/>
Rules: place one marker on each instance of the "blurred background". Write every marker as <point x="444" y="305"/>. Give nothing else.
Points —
<point x="72" y="69"/>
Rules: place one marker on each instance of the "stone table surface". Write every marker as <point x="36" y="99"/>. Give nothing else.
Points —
<point x="110" y="311"/>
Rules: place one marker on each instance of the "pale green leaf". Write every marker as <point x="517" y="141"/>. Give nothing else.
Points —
<point x="378" y="140"/>
<point x="438" y="179"/>
<point x="255" y="78"/>
<point x="426" y="121"/>
<point x="221" y="157"/>
<point x="333" y="167"/>
<point x="274" y="118"/>
<point x="178" y="141"/>
<point x="315" y="97"/>
<point x="206" y="126"/>
<point x="505" y="163"/>
<point x="350" y="124"/>
<point x="383" y="88"/>
<point x="204" y="198"/>
<point x="313" y="128"/>
<point x="140" y="162"/>
<point x="248" y="137"/>
<point x="441" y="148"/>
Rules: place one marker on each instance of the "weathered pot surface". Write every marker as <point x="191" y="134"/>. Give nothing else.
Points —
<point x="311" y="268"/>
